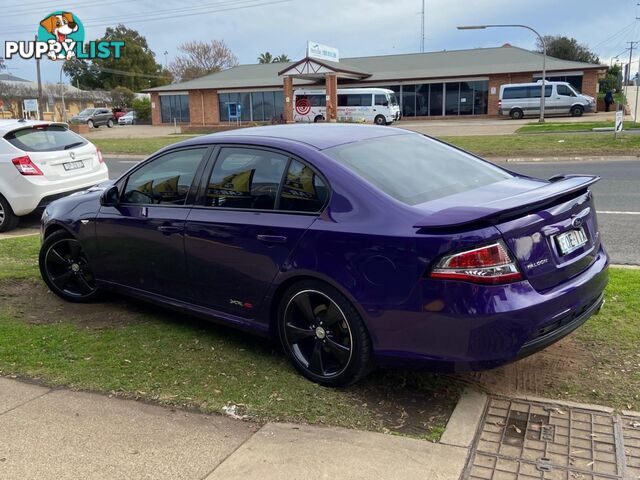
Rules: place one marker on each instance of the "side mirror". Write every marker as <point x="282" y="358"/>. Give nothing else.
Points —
<point x="110" y="197"/>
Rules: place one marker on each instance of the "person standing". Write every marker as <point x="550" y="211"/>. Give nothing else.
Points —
<point x="608" y="100"/>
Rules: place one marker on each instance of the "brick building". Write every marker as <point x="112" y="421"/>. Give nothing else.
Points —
<point x="435" y="84"/>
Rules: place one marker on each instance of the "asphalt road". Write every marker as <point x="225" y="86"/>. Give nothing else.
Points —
<point x="617" y="198"/>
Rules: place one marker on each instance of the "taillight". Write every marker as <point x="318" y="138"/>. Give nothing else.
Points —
<point x="25" y="166"/>
<point x="491" y="264"/>
<point x="100" y="158"/>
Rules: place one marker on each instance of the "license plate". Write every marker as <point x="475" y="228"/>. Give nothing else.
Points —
<point x="571" y="240"/>
<point x="73" y="165"/>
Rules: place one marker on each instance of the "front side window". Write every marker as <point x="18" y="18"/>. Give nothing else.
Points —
<point x="415" y="169"/>
<point x="303" y="190"/>
<point x="381" y="100"/>
<point x="246" y="178"/>
<point x="565" y="91"/>
<point x="165" y="180"/>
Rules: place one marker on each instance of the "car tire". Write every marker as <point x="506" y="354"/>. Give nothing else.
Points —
<point x="8" y="219"/>
<point x="576" y="111"/>
<point x="65" y="269"/>
<point x="319" y="118"/>
<point x="90" y="124"/>
<point x="110" y="124"/>
<point x="516" y="114"/>
<point x="380" y="120"/>
<point x="336" y="357"/>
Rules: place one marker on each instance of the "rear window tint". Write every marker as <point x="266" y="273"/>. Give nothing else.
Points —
<point x="46" y="138"/>
<point x="415" y="169"/>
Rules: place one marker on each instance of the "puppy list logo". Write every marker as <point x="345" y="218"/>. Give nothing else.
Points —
<point x="61" y="37"/>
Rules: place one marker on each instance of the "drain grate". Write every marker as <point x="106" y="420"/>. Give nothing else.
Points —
<point x="532" y="440"/>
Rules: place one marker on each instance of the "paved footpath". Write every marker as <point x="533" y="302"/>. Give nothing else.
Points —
<point x="60" y="434"/>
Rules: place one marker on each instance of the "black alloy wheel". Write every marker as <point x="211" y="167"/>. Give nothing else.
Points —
<point x="323" y="335"/>
<point x="65" y="269"/>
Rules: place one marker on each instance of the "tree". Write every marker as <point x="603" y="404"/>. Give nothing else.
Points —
<point x="122" y="97"/>
<point x="197" y="59"/>
<point x="281" y="58"/>
<point x="265" y="57"/>
<point x="612" y="80"/>
<point x="2" y="65"/>
<point x="566" y="48"/>
<point x="142" y="107"/>
<point x="136" y="69"/>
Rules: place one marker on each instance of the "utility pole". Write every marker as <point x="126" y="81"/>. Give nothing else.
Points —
<point x="39" y="79"/>
<point x="631" y="45"/>
<point x="422" y="30"/>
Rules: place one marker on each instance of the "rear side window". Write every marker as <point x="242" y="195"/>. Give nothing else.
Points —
<point x="45" y="138"/>
<point x="303" y="190"/>
<point x="415" y="169"/>
<point x="246" y="178"/>
<point x="532" y="91"/>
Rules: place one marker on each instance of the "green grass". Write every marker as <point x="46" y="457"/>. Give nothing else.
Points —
<point x="613" y="337"/>
<point x="135" y="350"/>
<point x="548" y="145"/>
<point x="489" y="145"/>
<point x="535" y="127"/>
<point x="136" y="146"/>
<point x="19" y="257"/>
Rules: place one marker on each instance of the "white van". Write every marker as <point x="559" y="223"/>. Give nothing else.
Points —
<point x="520" y="99"/>
<point x="370" y="105"/>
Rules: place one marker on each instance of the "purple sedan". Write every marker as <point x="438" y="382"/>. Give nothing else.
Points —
<point x="354" y="246"/>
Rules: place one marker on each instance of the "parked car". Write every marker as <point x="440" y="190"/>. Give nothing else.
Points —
<point x="95" y="117"/>
<point x="520" y="99"/>
<point x="350" y="244"/>
<point x="128" y="118"/>
<point x="119" y="112"/>
<point x="40" y="162"/>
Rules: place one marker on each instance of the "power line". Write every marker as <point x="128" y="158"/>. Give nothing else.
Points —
<point x="163" y="14"/>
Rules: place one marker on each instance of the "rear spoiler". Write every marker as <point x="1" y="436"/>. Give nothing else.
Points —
<point x="498" y="210"/>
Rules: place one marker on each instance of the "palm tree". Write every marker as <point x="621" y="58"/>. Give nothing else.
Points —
<point x="265" y="57"/>
<point x="281" y="58"/>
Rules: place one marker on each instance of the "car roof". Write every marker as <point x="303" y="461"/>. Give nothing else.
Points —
<point x="7" y="126"/>
<point x="320" y="136"/>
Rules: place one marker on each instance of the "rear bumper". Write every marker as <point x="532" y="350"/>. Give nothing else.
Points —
<point x="25" y="196"/>
<point x="459" y="326"/>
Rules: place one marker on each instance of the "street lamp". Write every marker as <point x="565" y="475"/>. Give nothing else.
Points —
<point x="544" y="56"/>
<point x="64" y="109"/>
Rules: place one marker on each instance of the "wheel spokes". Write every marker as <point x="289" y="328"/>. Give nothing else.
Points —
<point x="303" y="302"/>
<point x="295" y="334"/>
<point x="55" y="257"/>
<point x="74" y="250"/>
<point x="332" y="315"/>
<point x="84" y="284"/>
<point x="62" y="280"/>
<point x="316" y="364"/>
<point x="339" y="351"/>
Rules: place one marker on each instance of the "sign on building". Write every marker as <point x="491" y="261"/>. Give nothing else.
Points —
<point x="322" y="52"/>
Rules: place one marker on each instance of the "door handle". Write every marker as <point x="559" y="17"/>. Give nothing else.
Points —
<point x="168" y="229"/>
<point x="272" y="238"/>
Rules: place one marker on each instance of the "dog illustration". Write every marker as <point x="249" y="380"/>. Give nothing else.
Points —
<point x="60" y="26"/>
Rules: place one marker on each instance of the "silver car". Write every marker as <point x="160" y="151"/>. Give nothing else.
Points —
<point x="520" y="99"/>
<point x="94" y="117"/>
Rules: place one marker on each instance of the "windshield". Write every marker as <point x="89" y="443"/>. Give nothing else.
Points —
<point x="416" y="169"/>
<point x="45" y="138"/>
<point x="86" y="112"/>
<point x="393" y="101"/>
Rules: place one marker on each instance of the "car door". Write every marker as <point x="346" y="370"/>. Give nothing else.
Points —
<point x="255" y="205"/>
<point x="140" y="242"/>
<point x="564" y="97"/>
<point x="104" y="116"/>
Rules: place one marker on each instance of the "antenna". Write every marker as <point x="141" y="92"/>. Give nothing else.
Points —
<point x="422" y="30"/>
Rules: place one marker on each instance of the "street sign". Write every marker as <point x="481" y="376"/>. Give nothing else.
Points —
<point x="619" y="119"/>
<point x="30" y="105"/>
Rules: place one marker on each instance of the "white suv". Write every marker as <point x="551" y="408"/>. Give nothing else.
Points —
<point x="40" y="162"/>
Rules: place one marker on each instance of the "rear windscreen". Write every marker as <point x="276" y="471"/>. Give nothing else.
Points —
<point x="416" y="169"/>
<point x="45" y="138"/>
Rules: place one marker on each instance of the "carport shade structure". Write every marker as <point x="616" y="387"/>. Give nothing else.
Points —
<point x="316" y="70"/>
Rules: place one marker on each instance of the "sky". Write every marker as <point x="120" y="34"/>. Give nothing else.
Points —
<point x="355" y="27"/>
